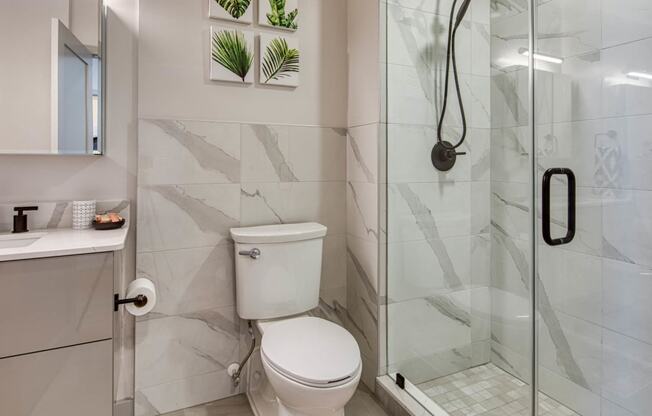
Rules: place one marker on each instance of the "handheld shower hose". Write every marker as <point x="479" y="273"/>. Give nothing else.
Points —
<point x="444" y="154"/>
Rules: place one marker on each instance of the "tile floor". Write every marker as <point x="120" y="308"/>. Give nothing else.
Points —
<point x="487" y="391"/>
<point x="363" y="403"/>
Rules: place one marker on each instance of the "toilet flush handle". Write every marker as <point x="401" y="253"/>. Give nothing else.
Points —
<point x="254" y="253"/>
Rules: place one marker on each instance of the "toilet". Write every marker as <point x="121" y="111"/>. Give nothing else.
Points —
<point x="312" y="366"/>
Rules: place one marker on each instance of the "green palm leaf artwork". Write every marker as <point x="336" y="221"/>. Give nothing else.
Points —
<point x="230" y="49"/>
<point x="278" y="17"/>
<point x="236" y="8"/>
<point x="280" y="61"/>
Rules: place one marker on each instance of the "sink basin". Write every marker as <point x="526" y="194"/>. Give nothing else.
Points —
<point x="19" y="240"/>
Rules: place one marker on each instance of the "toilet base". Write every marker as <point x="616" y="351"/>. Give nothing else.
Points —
<point x="263" y="398"/>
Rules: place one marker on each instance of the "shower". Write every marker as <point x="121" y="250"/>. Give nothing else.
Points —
<point x="444" y="154"/>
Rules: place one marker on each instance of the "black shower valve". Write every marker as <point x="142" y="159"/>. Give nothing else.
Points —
<point x="444" y="155"/>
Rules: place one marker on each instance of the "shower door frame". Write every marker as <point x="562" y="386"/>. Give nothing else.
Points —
<point x="534" y="316"/>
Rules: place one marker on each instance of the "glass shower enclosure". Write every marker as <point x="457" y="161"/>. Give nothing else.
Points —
<point x="518" y="281"/>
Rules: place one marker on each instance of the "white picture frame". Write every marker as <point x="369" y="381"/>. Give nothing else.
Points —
<point x="291" y="7"/>
<point x="284" y="72"/>
<point x="219" y="69"/>
<point x="215" y="11"/>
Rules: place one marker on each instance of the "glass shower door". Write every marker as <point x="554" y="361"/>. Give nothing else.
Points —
<point x="593" y="100"/>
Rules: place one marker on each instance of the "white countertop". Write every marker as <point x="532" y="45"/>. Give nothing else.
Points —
<point x="66" y="242"/>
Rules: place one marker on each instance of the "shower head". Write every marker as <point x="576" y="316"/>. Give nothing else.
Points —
<point x="464" y="7"/>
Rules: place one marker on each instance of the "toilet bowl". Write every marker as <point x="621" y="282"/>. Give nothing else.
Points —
<point x="313" y="365"/>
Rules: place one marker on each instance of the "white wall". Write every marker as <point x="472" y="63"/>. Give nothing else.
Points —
<point x="174" y="83"/>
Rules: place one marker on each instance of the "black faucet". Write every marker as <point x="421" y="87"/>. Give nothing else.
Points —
<point x="20" y="220"/>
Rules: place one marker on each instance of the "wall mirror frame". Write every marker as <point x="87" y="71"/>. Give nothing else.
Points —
<point x="53" y="96"/>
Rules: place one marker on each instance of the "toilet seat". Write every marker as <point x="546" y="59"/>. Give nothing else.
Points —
<point x="311" y="351"/>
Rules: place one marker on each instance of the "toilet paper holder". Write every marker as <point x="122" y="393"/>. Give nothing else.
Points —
<point x="140" y="301"/>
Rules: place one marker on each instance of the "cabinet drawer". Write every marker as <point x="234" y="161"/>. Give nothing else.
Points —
<point x="72" y="381"/>
<point x="55" y="302"/>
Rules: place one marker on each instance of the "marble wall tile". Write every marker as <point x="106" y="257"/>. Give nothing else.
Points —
<point x="573" y="282"/>
<point x="571" y="395"/>
<point x="480" y="144"/>
<point x="183" y="152"/>
<point x="362" y="210"/>
<point x="440" y="7"/>
<point x="481" y="11"/>
<point x="407" y="44"/>
<point x="409" y="149"/>
<point x="510" y="151"/>
<point x="189" y="280"/>
<point x="626" y="145"/>
<point x="479" y="93"/>
<point x="626" y="307"/>
<point x="625" y="21"/>
<point x="575" y="352"/>
<point x="436" y="210"/>
<point x="627" y="225"/>
<point x="577" y="89"/>
<point x="612" y="409"/>
<point x="317" y="154"/>
<point x="411" y="95"/>
<point x="362" y="303"/>
<point x="586" y="147"/>
<point x="276" y="203"/>
<point x="292" y="153"/>
<point x="415" y="329"/>
<point x="182" y="359"/>
<point x="363" y="264"/>
<point x="362" y="153"/>
<point x="425" y="268"/>
<point x="184" y="216"/>
<point x="481" y="320"/>
<point x="607" y="153"/>
<point x="510" y="211"/>
<point x="510" y="321"/>
<point x="623" y="95"/>
<point x="509" y="99"/>
<point x="333" y="271"/>
<point x="627" y="372"/>
<point x="516" y="364"/>
<point x="571" y="28"/>
<point x="175" y="347"/>
<point x="480" y="41"/>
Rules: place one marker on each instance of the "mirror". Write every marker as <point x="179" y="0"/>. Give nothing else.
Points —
<point x="52" y="77"/>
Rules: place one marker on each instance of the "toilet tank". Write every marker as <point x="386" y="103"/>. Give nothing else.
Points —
<point x="277" y="269"/>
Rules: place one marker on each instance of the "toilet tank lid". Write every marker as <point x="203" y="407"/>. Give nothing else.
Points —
<point x="281" y="233"/>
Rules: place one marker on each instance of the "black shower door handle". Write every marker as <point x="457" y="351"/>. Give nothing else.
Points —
<point x="547" y="179"/>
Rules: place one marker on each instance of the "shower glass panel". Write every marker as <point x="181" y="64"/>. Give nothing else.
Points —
<point x="459" y="241"/>
<point x="593" y="116"/>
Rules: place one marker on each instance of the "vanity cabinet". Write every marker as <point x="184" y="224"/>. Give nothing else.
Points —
<point x="71" y="381"/>
<point x="56" y="325"/>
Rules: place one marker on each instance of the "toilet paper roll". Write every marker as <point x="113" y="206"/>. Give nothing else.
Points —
<point x="143" y="287"/>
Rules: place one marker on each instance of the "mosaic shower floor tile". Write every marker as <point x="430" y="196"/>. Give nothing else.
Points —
<point x="488" y="391"/>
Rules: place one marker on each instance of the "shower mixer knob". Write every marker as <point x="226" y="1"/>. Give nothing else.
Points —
<point x="444" y="156"/>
